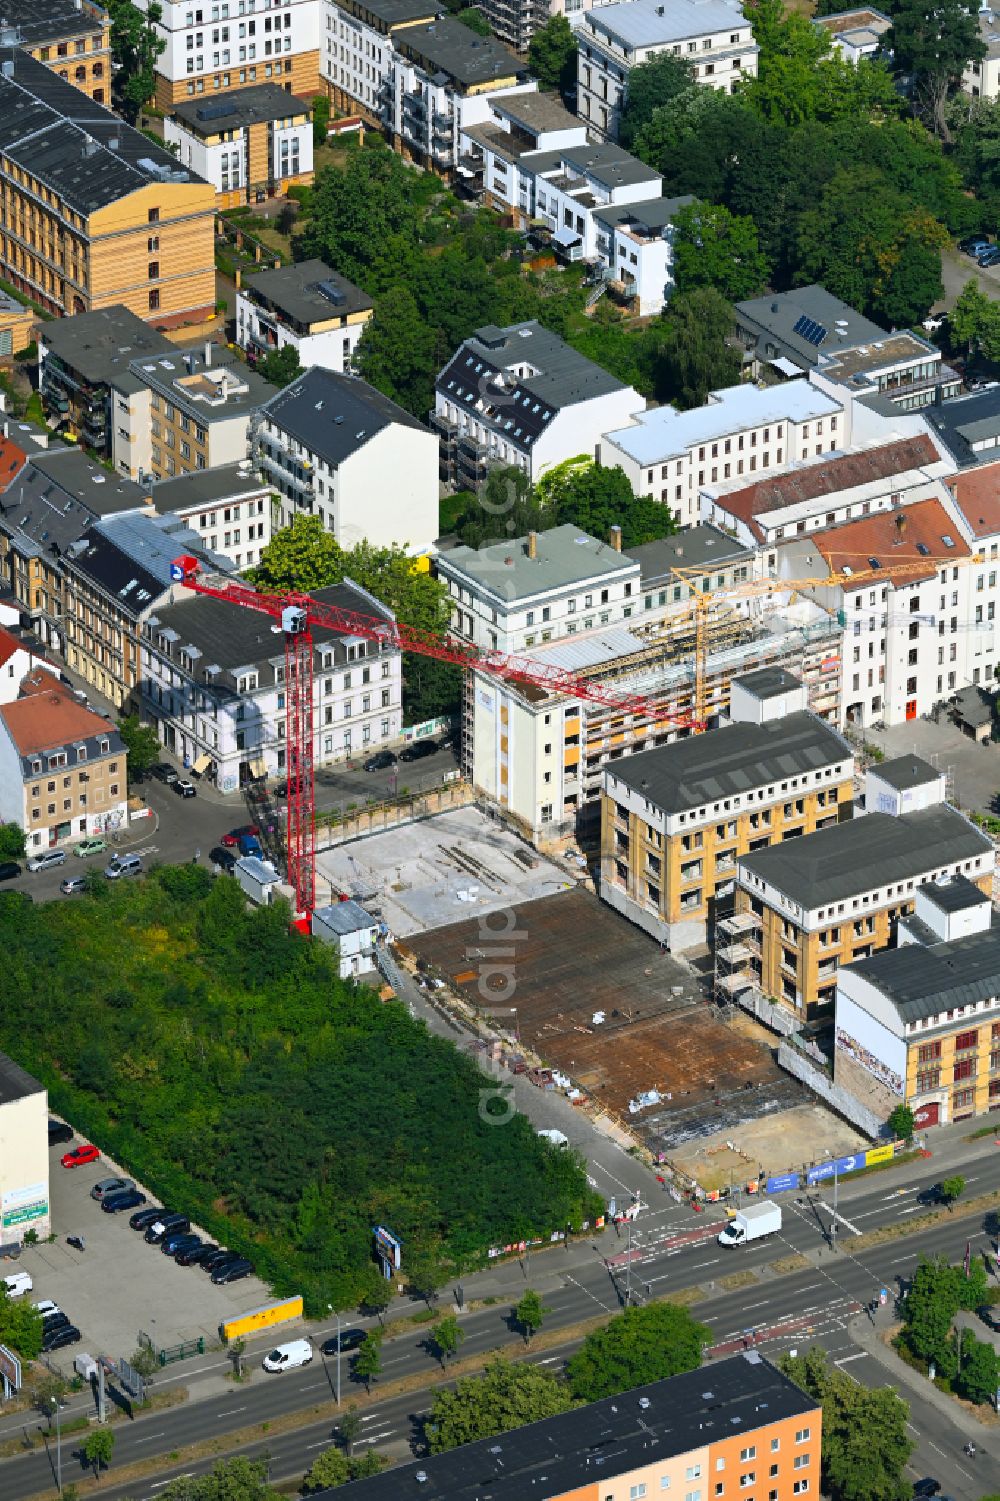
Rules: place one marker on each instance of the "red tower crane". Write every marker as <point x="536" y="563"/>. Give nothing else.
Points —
<point x="298" y="613"/>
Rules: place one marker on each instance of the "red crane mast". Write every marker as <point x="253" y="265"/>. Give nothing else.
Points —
<point x="298" y="613"/>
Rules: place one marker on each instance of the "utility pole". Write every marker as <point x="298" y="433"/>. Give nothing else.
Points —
<point x="833" y="1222"/>
<point x="329" y="1309"/>
<point x="59" y="1489"/>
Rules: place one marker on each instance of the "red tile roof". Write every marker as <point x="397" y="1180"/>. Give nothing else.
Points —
<point x="977" y="495"/>
<point x="12" y="461"/>
<point x="827" y="478"/>
<point x="909" y="539"/>
<point x="47" y="716"/>
<point x="8" y="646"/>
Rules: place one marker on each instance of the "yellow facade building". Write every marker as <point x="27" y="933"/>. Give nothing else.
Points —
<point x="74" y="40"/>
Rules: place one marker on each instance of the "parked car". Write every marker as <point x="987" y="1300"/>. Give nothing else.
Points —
<point x="46" y="860"/>
<point x="232" y="839"/>
<point x="145" y="1217"/>
<point x="17" y="1284"/>
<point x="182" y="1241"/>
<point x="196" y="1255"/>
<point x="45" y="1307"/>
<point x="297" y="1352"/>
<point x="9" y="870"/>
<point x="221" y="1256"/>
<point x="73" y="885"/>
<point x="90" y="847"/>
<point x="166" y="1224"/>
<point x="990" y="1317"/>
<point x="989" y="256"/>
<point x="127" y="1198"/>
<point x="184" y="788"/>
<point x="123" y="865"/>
<point x="163" y="773"/>
<point x="418" y="750"/>
<point x="381" y="761"/>
<point x="926" y="1488"/>
<point x="53" y="1321"/>
<point x="110" y="1186"/>
<point x="350" y="1339"/>
<point x="250" y="845"/>
<point x="223" y="858"/>
<point x="59" y="1131"/>
<point x="80" y="1156"/>
<point x="232" y="1271"/>
<point x="69" y="1334"/>
<point x="935" y="323"/>
<point x="974" y="244"/>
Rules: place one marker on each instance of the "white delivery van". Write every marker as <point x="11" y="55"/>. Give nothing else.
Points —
<point x="554" y="1138"/>
<point x="18" y="1283"/>
<point x="751" y="1223"/>
<point x="286" y="1357"/>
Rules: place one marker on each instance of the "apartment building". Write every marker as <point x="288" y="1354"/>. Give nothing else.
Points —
<point x="675" y="820"/>
<point x="79" y="360"/>
<point x="522" y="396"/>
<point x="981" y="78"/>
<point x="516" y="21"/>
<point x="235" y="43"/>
<point x="747" y="1431"/>
<point x="72" y="39"/>
<point x="836" y="896"/>
<point x="907" y="616"/>
<point x="308" y="306"/>
<point x="714" y="36"/>
<point x="47" y="508"/>
<point x="357" y="50"/>
<point x="920" y="1024"/>
<point x="334" y="447"/>
<point x="213" y="684"/>
<point x="975" y="504"/>
<point x="24" y="1162"/>
<point x="250" y="144"/>
<point x="17" y="327"/>
<point x="826" y="492"/>
<point x="229" y="509"/>
<point x="63" y="768"/>
<point x="742" y="430"/>
<point x="93" y="212"/>
<point x="184" y="412"/>
<point x="855" y="34"/>
<point x="18" y="658"/>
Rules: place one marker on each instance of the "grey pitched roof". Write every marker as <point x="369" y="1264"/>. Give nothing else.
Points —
<point x="537" y="112"/>
<point x="346" y="917"/>
<point x="483" y="369"/>
<point x="777" y="314"/>
<point x="334" y="415"/>
<point x="15" y="1082"/>
<point x="768" y="682"/>
<point x="650" y="214"/>
<point x="731" y="761"/>
<point x="44" y="20"/>
<point x="100" y="345"/>
<point x="445" y="46"/>
<point x="654" y="23"/>
<point x="564" y="555"/>
<point x="695" y="547"/>
<point x="955" y="895"/>
<point x="307" y="292"/>
<point x="605" y="161"/>
<point x="876" y="850"/>
<point x="237" y="108"/>
<point x="206" y="487"/>
<point x="562" y="1455"/>
<point x="85" y="154"/>
<point x="390" y="12"/>
<point x="922" y="982"/>
<point x="964" y="421"/>
<point x="906" y="772"/>
<point x="57" y="496"/>
<point x="129" y="557"/>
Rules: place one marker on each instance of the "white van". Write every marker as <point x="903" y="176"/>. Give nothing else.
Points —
<point x="18" y="1283"/>
<point x="46" y="859"/>
<point x="554" y="1138"/>
<point x="123" y="865"/>
<point x="286" y="1357"/>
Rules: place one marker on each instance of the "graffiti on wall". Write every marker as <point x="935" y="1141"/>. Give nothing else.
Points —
<point x="870" y="1061"/>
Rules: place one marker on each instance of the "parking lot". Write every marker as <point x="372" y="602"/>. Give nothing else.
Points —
<point x="119" y="1284"/>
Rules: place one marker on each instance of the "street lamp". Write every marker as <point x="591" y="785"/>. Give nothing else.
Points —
<point x="329" y="1309"/>
<point x="55" y="1407"/>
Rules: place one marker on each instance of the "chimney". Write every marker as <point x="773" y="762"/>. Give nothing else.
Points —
<point x="616" y="538"/>
<point x="208" y="353"/>
<point x="532" y="544"/>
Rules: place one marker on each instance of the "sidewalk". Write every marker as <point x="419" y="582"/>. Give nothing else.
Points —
<point x="903" y="1376"/>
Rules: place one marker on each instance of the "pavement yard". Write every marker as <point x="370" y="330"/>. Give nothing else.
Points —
<point x="774" y="1143"/>
<point x="574" y="958"/>
<point x="119" y="1284"/>
<point x="432" y="872"/>
<point x="974" y="770"/>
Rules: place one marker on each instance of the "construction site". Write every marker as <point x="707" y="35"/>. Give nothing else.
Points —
<point x="597" y="1001"/>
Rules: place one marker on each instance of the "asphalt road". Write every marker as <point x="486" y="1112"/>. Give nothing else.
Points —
<point x="815" y="1304"/>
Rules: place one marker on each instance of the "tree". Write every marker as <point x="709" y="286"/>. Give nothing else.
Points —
<point x="912" y="286"/>
<point x="333" y="1468"/>
<point x="638" y="1346"/>
<point x="694" y="357"/>
<point x="530" y="1313"/>
<point x="368" y="1360"/>
<point x="552" y="55"/>
<point x="652" y="85"/>
<point x="714" y="248"/>
<point x="900" y="1123"/>
<point x="350" y="1427"/>
<point x="865" y="1443"/>
<point x="377" y="1296"/>
<point x="978" y="1375"/>
<point x="20" y="1325"/>
<point x="596" y="499"/>
<point x="934" y="40"/>
<point x="229" y="1480"/>
<point x="952" y="1189"/>
<point x="98" y="1448"/>
<point x="506" y="1396"/>
<point x="142" y="744"/>
<point x="447" y="1336"/>
<point x="937" y="1292"/>
<point x="321" y="119"/>
<point x="473" y="17"/>
<point x="135" y="46"/>
<point x="12" y="844"/>
<point x="280" y="366"/>
<point x="396" y="352"/>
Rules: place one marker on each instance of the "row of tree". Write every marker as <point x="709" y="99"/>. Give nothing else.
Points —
<point x="967" y="1365"/>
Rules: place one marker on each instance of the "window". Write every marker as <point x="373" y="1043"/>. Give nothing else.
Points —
<point x="635" y="1492"/>
<point x="799" y="1487"/>
<point x="693" y="1472"/>
<point x="803" y="1435"/>
<point x="747" y="1479"/>
<point x="801" y="1460"/>
<point x="153" y="217"/>
<point x="154" y="300"/>
<point x="154" y="271"/>
<point x="750" y="1453"/>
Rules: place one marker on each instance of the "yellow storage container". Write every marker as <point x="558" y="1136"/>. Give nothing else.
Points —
<point x="261" y="1318"/>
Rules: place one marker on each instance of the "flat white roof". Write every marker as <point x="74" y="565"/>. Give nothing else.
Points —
<point x="649" y="23"/>
<point x="665" y="432"/>
<point x="590" y="650"/>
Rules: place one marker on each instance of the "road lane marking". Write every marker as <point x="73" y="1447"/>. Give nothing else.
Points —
<point x="230" y="1412"/>
<point x="161" y="1483"/>
<point x="149" y="1437"/>
<point x="606" y="1306"/>
<point x="846" y="1359"/>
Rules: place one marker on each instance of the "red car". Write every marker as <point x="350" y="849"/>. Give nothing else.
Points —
<point x="232" y="839"/>
<point x="80" y="1156"/>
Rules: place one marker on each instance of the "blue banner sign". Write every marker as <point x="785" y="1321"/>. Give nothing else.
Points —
<point x="782" y="1183"/>
<point x="824" y="1170"/>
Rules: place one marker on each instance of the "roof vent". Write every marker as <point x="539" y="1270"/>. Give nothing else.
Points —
<point x="420" y="1477"/>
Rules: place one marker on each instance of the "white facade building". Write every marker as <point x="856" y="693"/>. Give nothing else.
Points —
<point x="306" y="306"/>
<point x="740" y="431"/>
<point x="855" y="34"/>
<point x="334" y="447"/>
<point x="246" y="142"/>
<point x="982" y="79"/>
<point x="229" y="508"/>
<point x="522" y="396"/>
<point x="235" y="42"/>
<point x="357" y="50"/>
<point x="714" y="36"/>
<point x="16" y="661"/>
<point x="353" y="930"/>
<point x="213" y="684"/>
<point x="24" y="1155"/>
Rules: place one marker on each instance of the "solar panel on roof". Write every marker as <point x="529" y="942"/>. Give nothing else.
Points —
<point x="331" y="292"/>
<point x="810" y="330"/>
<point x="213" y="111"/>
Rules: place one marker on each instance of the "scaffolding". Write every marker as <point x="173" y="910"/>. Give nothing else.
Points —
<point x="737" y="959"/>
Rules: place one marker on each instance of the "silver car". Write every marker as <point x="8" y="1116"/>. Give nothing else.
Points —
<point x="111" y="1186"/>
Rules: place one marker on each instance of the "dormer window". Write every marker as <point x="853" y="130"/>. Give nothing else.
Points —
<point x="58" y="758"/>
<point x="105" y="746"/>
<point x="81" y="753"/>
